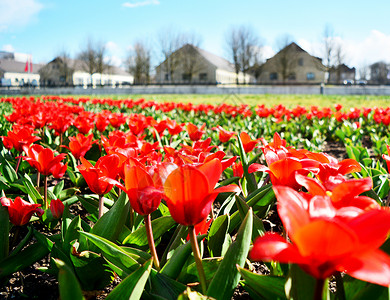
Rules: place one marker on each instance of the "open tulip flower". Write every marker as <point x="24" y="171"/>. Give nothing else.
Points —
<point x="224" y="135"/>
<point x="106" y="167"/>
<point x="189" y="191"/>
<point x="282" y="172"/>
<point x="20" y="211"/>
<point x="323" y="243"/>
<point x="247" y="142"/>
<point x="79" y="145"/>
<point x="19" y="137"/>
<point x="194" y="132"/>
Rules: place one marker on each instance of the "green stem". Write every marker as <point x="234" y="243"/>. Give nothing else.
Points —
<point x="101" y="206"/>
<point x="319" y="289"/>
<point x="198" y="259"/>
<point x="45" y="192"/>
<point x="152" y="247"/>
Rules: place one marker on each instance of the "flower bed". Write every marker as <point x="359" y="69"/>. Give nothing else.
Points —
<point x="171" y="200"/>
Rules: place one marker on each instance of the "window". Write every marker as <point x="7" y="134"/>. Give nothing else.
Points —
<point x="273" y="76"/>
<point x="166" y="76"/>
<point x="292" y="76"/>
<point x="186" y="77"/>
<point x="203" y="76"/>
<point x="300" y="62"/>
<point x="310" y="76"/>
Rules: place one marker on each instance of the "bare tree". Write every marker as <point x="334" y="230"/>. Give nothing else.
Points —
<point x="66" y="69"/>
<point x="169" y="41"/>
<point x="93" y="56"/>
<point x="243" y="46"/>
<point x="139" y="61"/>
<point x="329" y="45"/>
<point x="339" y="58"/>
<point x="286" y="58"/>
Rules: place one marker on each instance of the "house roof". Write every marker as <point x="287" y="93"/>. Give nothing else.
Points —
<point x="215" y="60"/>
<point x="9" y="65"/>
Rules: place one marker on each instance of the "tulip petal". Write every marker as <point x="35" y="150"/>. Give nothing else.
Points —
<point x="373" y="266"/>
<point x="324" y="240"/>
<point x="272" y="246"/>
<point x="292" y="208"/>
<point x="213" y="170"/>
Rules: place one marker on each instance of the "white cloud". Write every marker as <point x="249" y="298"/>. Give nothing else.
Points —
<point x="134" y="4"/>
<point x="111" y="46"/>
<point x="8" y="48"/>
<point x="18" y="13"/>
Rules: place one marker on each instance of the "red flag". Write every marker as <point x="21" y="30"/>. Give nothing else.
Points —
<point x="31" y="64"/>
<point x="26" y="67"/>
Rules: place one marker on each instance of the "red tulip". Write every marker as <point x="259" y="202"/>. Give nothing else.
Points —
<point x="387" y="158"/>
<point x="20" y="211"/>
<point x="189" y="191"/>
<point x="323" y="243"/>
<point x="79" y="145"/>
<point x="282" y="172"/>
<point x="19" y="137"/>
<point x="195" y="133"/>
<point x="224" y="135"/>
<point x="56" y="208"/>
<point x="247" y="142"/>
<point x="44" y="161"/>
<point x="106" y="166"/>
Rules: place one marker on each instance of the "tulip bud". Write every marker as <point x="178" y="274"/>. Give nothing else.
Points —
<point x="57" y="208"/>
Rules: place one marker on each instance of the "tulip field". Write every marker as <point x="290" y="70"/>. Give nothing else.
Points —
<point x="137" y="199"/>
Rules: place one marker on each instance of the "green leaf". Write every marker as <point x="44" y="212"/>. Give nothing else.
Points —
<point x="110" y="224"/>
<point x="258" y="227"/>
<point x="68" y="284"/>
<point x="160" y="226"/>
<point x="190" y="273"/>
<point x="90" y="269"/>
<point x="27" y="257"/>
<point x="31" y="190"/>
<point x="133" y="285"/>
<point x="8" y="172"/>
<point x="297" y="278"/>
<point x="227" y="276"/>
<point x="360" y="290"/>
<point x="4" y="232"/>
<point x="113" y="253"/>
<point x="218" y="239"/>
<point x="71" y="234"/>
<point x="178" y="259"/>
<point x="162" y="287"/>
<point x="58" y="189"/>
<point x="264" y="286"/>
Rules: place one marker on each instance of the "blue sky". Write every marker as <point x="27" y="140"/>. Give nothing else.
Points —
<point x="44" y="28"/>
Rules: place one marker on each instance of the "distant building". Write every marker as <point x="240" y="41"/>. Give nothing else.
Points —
<point x="380" y="73"/>
<point x="341" y="74"/>
<point x="192" y="65"/>
<point x="291" y="65"/>
<point x="17" y="74"/>
<point x="72" y="72"/>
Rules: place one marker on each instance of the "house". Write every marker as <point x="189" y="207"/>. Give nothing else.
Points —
<point x="72" y="72"/>
<point x="341" y="74"/>
<point x="17" y="74"/>
<point x="192" y="65"/>
<point x="292" y="65"/>
<point x="380" y="73"/>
